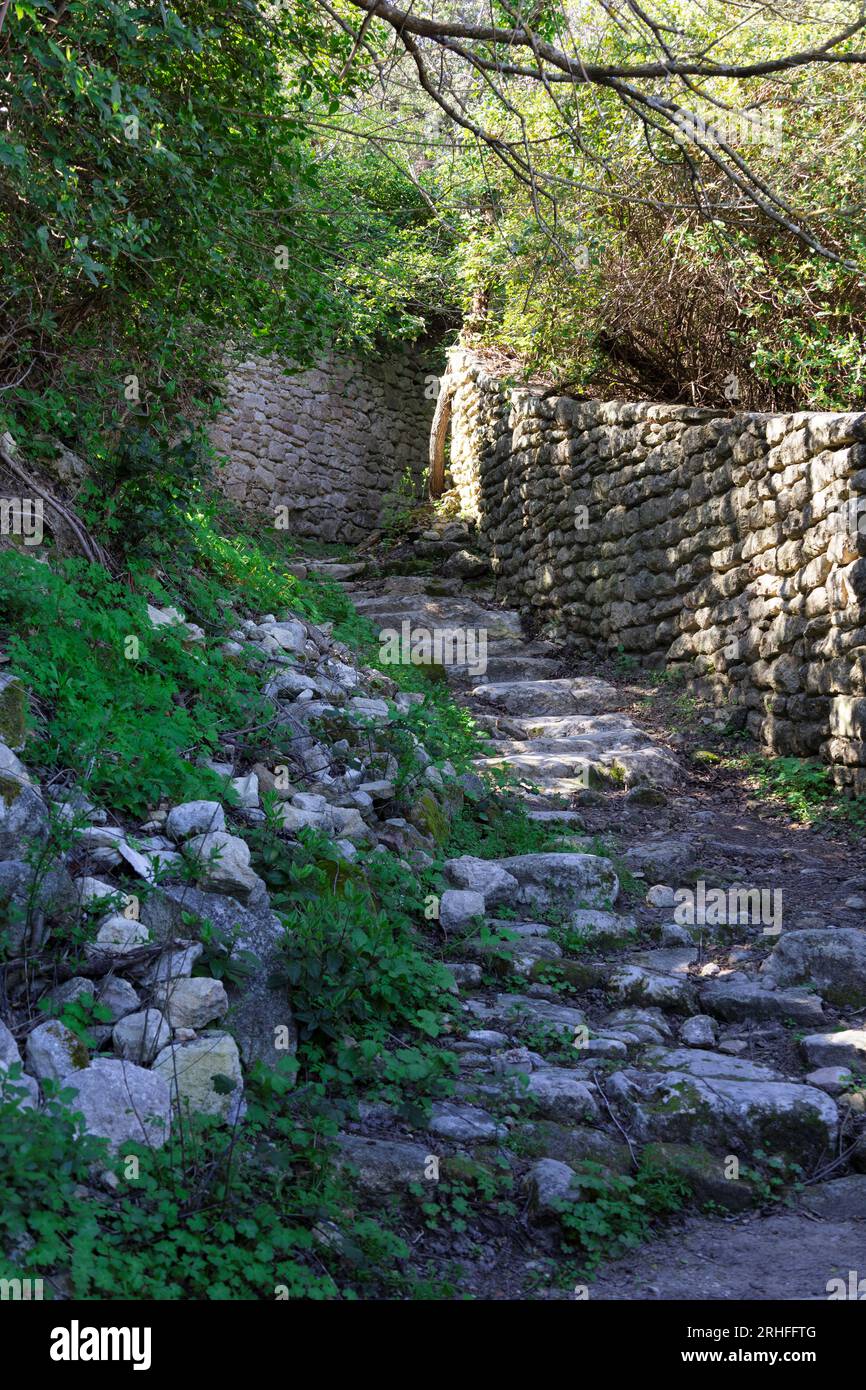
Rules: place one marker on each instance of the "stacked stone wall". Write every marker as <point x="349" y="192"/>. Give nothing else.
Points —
<point x="728" y="547"/>
<point x="337" y="445"/>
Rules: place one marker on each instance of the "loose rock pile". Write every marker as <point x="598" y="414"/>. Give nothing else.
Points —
<point x="175" y="1040"/>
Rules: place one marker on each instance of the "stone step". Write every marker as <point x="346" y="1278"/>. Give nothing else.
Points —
<point x="628" y="767"/>
<point x="508" y="667"/>
<point x="568" y="695"/>
<point x="441" y="615"/>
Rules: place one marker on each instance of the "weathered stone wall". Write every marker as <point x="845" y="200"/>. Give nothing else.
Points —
<point x="730" y="546"/>
<point x="332" y="444"/>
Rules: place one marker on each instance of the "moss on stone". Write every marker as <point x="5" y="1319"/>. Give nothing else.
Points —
<point x="10" y="789"/>
<point x="574" y="1145"/>
<point x="704" y="1172"/>
<point x="428" y="817"/>
<point x="581" y="974"/>
<point x="13" y="711"/>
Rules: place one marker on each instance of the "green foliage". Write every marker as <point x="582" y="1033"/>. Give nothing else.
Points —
<point x="802" y="786"/>
<point x="79" y="1015"/>
<point x="774" y="1177"/>
<point x="129" y="722"/>
<point x="466" y="1191"/>
<point x="614" y="1212"/>
<point x="136" y="723"/>
<point x="628" y="266"/>
<point x="162" y="195"/>
<point x="497" y="827"/>
<point x="355" y="962"/>
<point x="625" y="662"/>
<point x="252" y="1213"/>
<point x="221" y="958"/>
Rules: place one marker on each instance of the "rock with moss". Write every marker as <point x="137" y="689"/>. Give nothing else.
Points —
<point x="603" y="929"/>
<point x="740" y="1116"/>
<point x="580" y="974"/>
<point x="13" y="711"/>
<point x="428" y="816"/>
<point x="23" y="814"/>
<point x="831" y="959"/>
<point x="574" y="1145"/>
<point x="710" y="1176"/>
<point x="53" y="1051"/>
<point x="204" y="1075"/>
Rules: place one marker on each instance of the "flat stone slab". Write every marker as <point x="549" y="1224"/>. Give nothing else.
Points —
<point x="603" y="928"/>
<point x="661" y="857"/>
<point x="736" y="1116"/>
<point x="559" y="1094"/>
<point x="464" y="1123"/>
<point x="635" y="984"/>
<point x="485" y="876"/>
<point x="575" y="880"/>
<point x="606" y="730"/>
<point x="384" y="1165"/>
<point x="699" y="1062"/>
<point x="506" y="667"/>
<point x="523" y="1008"/>
<point x="846" y="1048"/>
<point x="587" y="695"/>
<point x="738" y="1002"/>
<point x="843" y="1199"/>
<point x="670" y="960"/>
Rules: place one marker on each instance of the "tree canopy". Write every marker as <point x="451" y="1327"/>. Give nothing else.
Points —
<point x="660" y="199"/>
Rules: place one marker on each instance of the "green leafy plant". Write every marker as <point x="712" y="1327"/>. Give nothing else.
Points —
<point x="613" y="1213"/>
<point x="79" y="1015"/>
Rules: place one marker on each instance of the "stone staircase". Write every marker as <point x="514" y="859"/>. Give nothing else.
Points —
<point x="685" y="1041"/>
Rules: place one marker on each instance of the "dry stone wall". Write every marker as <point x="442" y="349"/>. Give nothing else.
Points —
<point x="335" y="445"/>
<point x="731" y="547"/>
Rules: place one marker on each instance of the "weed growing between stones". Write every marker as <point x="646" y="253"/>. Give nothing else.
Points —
<point x="495" y="828"/>
<point x="616" y="1211"/>
<point x="240" y="1213"/>
<point x="803" y="787"/>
